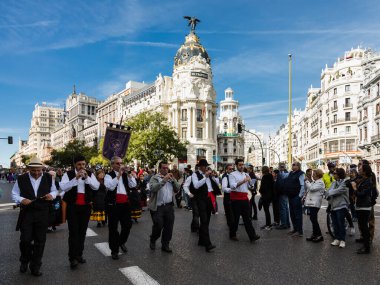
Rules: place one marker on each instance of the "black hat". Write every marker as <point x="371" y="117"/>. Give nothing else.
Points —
<point x="203" y="162"/>
<point x="79" y="158"/>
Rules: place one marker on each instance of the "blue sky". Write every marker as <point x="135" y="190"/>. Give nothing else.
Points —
<point x="47" y="46"/>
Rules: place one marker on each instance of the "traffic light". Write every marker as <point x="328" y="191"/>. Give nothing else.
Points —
<point x="10" y="140"/>
<point x="240" y="128"/>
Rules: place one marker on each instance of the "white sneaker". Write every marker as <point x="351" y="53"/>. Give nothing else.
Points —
<point x="342" y="244"/>
<point x="352" y="231"/>
<point x="335" y="242"/>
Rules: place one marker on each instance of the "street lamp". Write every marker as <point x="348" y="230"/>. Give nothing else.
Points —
<point x="241" y="129"/>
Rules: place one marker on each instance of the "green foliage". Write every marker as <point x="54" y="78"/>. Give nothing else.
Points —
<point x="99" y="159"/>
<point x="25" y="159"/>
<point x="64" y="157"/>
<point x="153" y="139"/>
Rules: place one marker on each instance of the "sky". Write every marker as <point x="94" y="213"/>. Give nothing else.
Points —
<point x="48" y="46"/>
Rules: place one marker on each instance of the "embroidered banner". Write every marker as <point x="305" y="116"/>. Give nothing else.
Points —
<point x="115" y="142"/>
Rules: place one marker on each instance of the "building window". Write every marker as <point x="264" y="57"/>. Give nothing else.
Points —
<point x="377" y="108"/>
<point x="335" y="91"/>
<point x="348" y="116"/>
<point x="335" y="130"/>
<point x="199" y="133"/>
<point x="365" y="115"/>
<point x="365" y="133"/>
<point x="335" y="119"/>
<point x="347" y="88"/>
<point x="360" y="116"/>
<point x="361" y="134"/>
<point x="335" y="105"/>
<point x="199" y="115"/>
<point x="184" y="114"/>
<point x="225" y="150"/>
<point x="184" y="133"/>
<point x="348" y="129"/>
<point x="347" y="102"/>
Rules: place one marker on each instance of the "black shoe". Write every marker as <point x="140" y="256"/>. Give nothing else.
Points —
<point x="318" y="239"/>
<point x="210" y="247"/>
<point x="23" y="267"/>
<point x="73" y="263"/>
<point x="81" y="260"/>
<point x="311" y="238"/>
<point x="234" y="238"/>
<point x="35" y="271"/>
<point x="363" y="250"/>
<point x="115" y="256"/>
<point x="152" y="245"/>
<point x="256" y="237"/>
<point x="166" y="248"/>
<point x="359" y="240"/>
<point x="124" y="248"/>
<point x="282" y="227"/>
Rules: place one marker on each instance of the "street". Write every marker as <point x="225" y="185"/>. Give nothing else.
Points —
<point x="275" y="258"/>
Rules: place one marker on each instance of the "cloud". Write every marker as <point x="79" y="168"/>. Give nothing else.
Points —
<point x="263" y="106"/>
<point x="13" y="130"/>
<point x="148" y="44"/>
<point x="44" y="24"/>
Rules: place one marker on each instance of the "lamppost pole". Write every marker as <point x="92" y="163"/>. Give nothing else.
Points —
<point x="290" y="113"/>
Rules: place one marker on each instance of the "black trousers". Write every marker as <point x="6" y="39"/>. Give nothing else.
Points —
<point x="227" y="209"/>
<point x="276" y="210"/>
<point x="363" y="223"/>
<point x="314" y="221"/>
<point x="204" y="208"/>
<point x="118" y="213"/>
<point x="242" y="208"/>
<point x="195" y="221"/>
<point x="77" y="221"/>
<point x="266" y="205"/>
<point x="163" y="221"/>
<point x="253" y="206"/>
<point x="33" y="236"/>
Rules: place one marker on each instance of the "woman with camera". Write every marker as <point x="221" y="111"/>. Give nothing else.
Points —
<point x="362" y="191"/>
<point x="315" y="190"/>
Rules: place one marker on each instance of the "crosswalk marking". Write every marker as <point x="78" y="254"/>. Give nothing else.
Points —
<point x="90" y="233"/>
<point x="104" y="248"/>
<point x="137" y="276"/>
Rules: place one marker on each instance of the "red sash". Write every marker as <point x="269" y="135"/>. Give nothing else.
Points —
<point x="80" y="199"/>
<point x="121" y="198"/>
<point x="238" y="195"/>
<point x="213" y="200"/>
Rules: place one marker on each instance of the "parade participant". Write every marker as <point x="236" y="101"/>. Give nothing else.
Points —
<point x="226" y="188"/>
<point x="337" y="195"/>
<point x="34" y="191"/>
<point x="98" y="213"/>
<point x="142" y="185"/>
<point x="253" y="190"/>
<point x="162" y="188"/>
<point x="119" y="183"/>
<point x="203" y="187"/>
<point x="239" y="182"/>
<point x="315" y="190"/>
<point x="78" y="185"/>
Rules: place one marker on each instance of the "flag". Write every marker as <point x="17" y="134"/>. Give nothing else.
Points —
<point x="115" y="142"/>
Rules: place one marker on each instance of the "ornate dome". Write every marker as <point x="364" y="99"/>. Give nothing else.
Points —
<point x="190" y="48"/>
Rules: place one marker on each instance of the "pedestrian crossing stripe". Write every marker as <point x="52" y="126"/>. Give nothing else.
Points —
<point x="104" y="248"/>
<point x="90" y="233"/>
<point x="137" y="276"/>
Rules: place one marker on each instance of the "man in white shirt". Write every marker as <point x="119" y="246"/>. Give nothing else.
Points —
<point x="78" y="185"/>
<point x="240" y="183"/>
<point x="119" y="183"/>
<point x="226" y="188"/>
<point x="33" y="191"/>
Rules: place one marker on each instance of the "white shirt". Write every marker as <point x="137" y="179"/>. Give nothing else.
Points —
<point x="186" y="185"/>
<point x="199" y="183"/>
<point x="112" y="183"/>
<point x="35" y="184"/>
<point x="67" y="184"/>
<point x="236" y="177"/>
<point x="165" y="194"/>
<point x="225" y="188"/>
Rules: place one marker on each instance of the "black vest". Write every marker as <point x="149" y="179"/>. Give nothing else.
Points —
<point x="111" y="195"/>
<point x="292" y="186"/>
<point x="70" y="196"/>
<point x="26" y="189"/>
<point x="202" y="192"/>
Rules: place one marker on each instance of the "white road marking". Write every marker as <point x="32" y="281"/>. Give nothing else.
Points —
<point x="104" y="248"/>
<point x="90" y="233"/>
<point x="7" y="204"/>
<point x="138" y="276"/>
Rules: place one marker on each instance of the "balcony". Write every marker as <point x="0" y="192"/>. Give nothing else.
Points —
<point x="343" y="121"/>
<point x="375" y="139"/>
<point x="314" y="133"/>
<point x="334" y="109"/>
<point x="347" y="106"/>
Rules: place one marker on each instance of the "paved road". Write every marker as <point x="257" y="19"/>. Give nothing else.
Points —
<point x="275" y="258"/>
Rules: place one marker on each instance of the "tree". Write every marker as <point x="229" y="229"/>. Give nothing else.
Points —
<point x="64" y="157"/>
<point x="153" y="139"/>
<point x="25" y="159"/>
<point x="99" y="159"/>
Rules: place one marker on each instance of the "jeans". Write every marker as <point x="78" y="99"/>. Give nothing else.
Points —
<point x="363" y="223"/>
<point x="276" y="210"/>
<point x="284" y="211"/>
<point x="314" y="221"/>
<point x="295" y="209"/>
<point x="338" y="217"/>
<point x="266" y="205"/>
<point x="163" y="222"/>
<point x="253" y="206"/>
